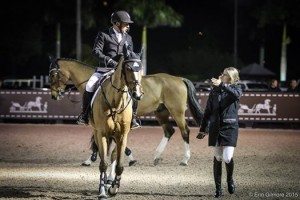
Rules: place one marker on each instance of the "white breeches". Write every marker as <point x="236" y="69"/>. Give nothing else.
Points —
<point x="224" y="153"/>
<point x="90" y="86"/>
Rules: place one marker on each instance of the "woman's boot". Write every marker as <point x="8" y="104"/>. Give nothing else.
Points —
<point x="218" y="177"/>
<point x="230" y="182"/>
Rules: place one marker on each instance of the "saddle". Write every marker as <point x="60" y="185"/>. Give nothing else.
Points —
<point x="106" y="74"/>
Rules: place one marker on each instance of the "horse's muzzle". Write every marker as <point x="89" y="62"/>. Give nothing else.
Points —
<point x="136" y="96"/>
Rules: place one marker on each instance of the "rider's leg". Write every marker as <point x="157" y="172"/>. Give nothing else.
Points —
<point x="83" y="118"/>
<point x="134" y="122"/>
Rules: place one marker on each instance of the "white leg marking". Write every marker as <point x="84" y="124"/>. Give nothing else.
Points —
<point x="161" y="147"/>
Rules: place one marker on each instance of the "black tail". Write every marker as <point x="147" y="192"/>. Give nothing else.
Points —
<point x="194" y="105"/>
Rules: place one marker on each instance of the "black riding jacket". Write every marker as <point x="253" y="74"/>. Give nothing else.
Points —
<point x="107" y="47"/>
<point x="221" y="115"/>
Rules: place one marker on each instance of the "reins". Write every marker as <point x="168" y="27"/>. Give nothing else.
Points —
<point x="120" y="110"/>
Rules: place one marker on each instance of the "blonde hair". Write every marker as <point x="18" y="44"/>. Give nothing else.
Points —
<point x="233" y="73"/>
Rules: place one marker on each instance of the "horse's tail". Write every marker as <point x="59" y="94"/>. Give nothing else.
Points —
<point x="193" y="103"/>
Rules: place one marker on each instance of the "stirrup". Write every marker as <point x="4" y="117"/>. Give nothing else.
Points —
<point x="135" y="124"/>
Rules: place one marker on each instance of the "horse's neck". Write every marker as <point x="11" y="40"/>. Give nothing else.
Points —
<point x="118" y="82"/>
<point x="76" y="72"/>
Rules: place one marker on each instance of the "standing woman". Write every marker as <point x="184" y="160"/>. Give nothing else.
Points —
<point x="221" y="122"/>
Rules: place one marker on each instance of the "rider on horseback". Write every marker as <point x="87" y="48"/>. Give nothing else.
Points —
<point x="108" y="49"/>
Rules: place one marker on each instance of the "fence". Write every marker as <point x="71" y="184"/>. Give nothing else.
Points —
<point x="37" y="104"/>
<point x="26" y="83"/>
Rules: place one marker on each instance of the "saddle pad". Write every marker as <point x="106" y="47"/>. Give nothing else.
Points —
<point x="99" y="84"/>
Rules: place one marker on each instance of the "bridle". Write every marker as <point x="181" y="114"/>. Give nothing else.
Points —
<point x="129" y="91"/>
<point x="61" y="79"/>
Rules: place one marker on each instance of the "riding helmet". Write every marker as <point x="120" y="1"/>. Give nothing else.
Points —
<point x="121" y="16"/>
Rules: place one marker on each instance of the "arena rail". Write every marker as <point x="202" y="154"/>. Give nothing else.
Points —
<point x="37" y="104"/>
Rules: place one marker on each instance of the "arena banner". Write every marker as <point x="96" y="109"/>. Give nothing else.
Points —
<point x="37" y="104"/>
<point x="271" y="107"/>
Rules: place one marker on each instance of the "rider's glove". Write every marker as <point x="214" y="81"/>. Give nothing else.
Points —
<point x="111" y="63"/>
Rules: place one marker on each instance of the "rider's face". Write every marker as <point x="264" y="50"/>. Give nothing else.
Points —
<point x="124" y="27"/>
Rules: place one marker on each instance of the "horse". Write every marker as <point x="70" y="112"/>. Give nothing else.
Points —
<point x="111" y="111"/>
<point x="266" y="106"/>
<point x="165" y="95"/>
<point x="37" y="103"/>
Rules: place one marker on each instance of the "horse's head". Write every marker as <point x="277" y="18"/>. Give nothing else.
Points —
<point x="132" y="69"/>
<point x="57" y="80"/>
<point x="267" y="101"/>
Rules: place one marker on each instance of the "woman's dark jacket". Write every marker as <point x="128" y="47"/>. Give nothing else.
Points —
<point x="107" y="47"/>
<point x="221" y="115"/>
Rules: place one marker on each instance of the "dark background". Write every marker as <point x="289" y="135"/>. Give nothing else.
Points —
<point x="28" y="31"/>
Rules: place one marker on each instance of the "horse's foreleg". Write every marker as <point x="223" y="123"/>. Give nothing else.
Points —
<point x="113" y="158"/>
<point x="102" y="145"/>
<point x="121" y="145"/>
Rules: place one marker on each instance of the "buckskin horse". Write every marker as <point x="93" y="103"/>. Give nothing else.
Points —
<point x="111" y="111"/>
<point x="164" y="94"/>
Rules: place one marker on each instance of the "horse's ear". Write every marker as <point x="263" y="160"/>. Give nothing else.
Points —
<point x="51" y="57"/>
<point x="126" y="51"/>
<point x="141" y="53"/>
<point x="52" y="60"/>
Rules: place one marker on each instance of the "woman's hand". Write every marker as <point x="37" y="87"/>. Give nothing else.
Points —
<point x="216" y="82"/>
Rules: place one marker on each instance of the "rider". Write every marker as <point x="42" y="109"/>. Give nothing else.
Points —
<point x="108" y="49"/>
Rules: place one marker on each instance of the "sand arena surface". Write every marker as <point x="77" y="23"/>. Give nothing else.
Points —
<point x="43" y="162"/>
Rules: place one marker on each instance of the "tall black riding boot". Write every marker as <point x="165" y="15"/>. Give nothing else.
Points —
<point x="218" y="177"/>
<point x="134" y="122"/>
<point x="83" y="118"/>
<point x="230" y="182"/>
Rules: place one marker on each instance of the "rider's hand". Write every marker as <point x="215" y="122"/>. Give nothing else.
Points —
<point x="111" y="63"/>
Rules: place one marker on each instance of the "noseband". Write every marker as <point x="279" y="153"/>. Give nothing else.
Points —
<point x="134" y="65"/>
<point x="55" y="71"/>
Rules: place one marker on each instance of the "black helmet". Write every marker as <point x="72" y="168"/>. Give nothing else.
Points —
<point x="120" y="16"/>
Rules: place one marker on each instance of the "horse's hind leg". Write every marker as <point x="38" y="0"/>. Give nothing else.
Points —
<point x="93" y="156"/>
<point x="162" y="115"/>
<point x="179" y="117"/>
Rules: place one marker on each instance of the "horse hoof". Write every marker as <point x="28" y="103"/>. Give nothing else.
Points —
<point x="183" y="164"/>
<point x="112" y="191"/>
<point x="157" y="161"/>
<point x="108" y="185"/>
<point x="94" y="157"/>
<point x="86" y="164"/>
<point x="132" y="163"/>
<point x="102" y="197"/>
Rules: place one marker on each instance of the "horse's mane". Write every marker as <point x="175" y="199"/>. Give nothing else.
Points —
<point x="71" y="59"/>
